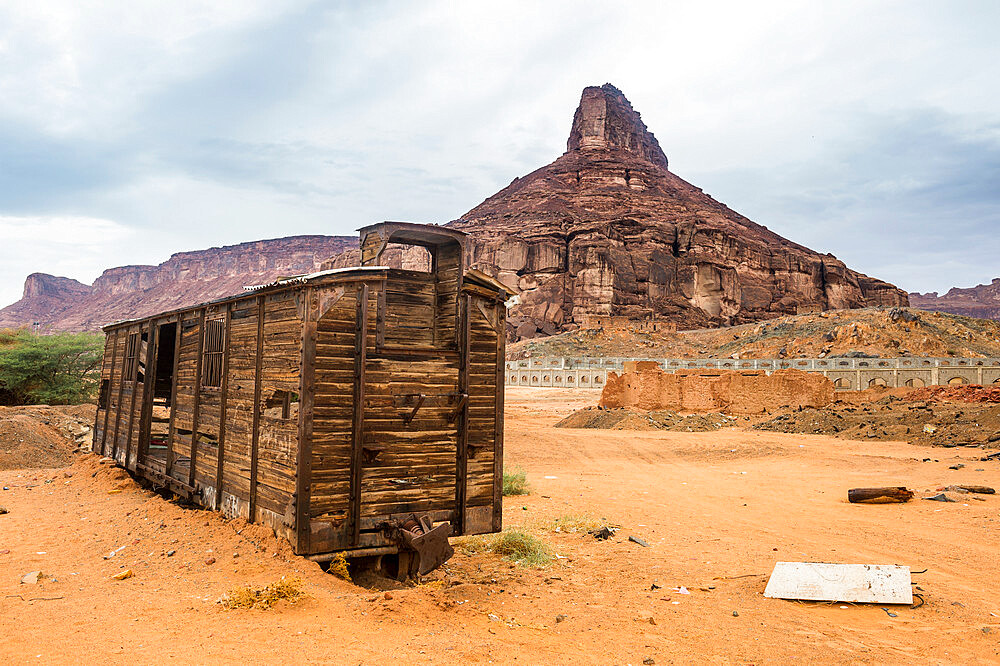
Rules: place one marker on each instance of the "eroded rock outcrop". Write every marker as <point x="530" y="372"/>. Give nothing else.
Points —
<point x="607" y="229"/>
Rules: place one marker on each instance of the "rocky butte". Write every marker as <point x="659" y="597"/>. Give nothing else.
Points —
<point x="607" y="229"/>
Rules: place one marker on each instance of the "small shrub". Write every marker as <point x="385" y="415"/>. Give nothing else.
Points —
<point x="338" y="567"/>
<point x="515" y="482"/>
<point x="264" y="597"/>
<point x="514" y="545"/>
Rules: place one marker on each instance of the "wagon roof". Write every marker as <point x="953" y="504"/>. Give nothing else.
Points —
<point x="276" y="285"/>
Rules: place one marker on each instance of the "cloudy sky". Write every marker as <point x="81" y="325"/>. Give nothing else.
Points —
<point x="132" y="130"/>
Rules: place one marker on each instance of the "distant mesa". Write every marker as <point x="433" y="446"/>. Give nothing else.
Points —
<point x="187" y="278"/>
<point x="981" y="301"/>
<point x="606" y="230"/>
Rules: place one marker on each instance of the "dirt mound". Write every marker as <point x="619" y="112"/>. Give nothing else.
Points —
<point x="601" y="418"/>
<point x="883" y="332"/>
<point x="945" y="424"/>
<point x="40" y="436"/>
<point x="969" y="393"/>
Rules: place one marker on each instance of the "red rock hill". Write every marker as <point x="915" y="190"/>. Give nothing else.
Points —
<point x="607" y="229"/>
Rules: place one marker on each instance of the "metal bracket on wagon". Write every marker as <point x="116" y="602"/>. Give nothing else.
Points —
<point x="422" y="547"/>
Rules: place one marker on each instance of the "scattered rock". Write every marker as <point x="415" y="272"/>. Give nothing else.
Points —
<point x="3" y="511"/>
<point x="956" y="466"/>
<point x="940" y="497"/>
<point x="641" y="542"/>
<point x="210" y="560"/>
<point x="31" y="578"/>
<point x="560" y="618"/>
<point x="648" y="661"/>
<point x="122" y="575"/>
<point x="387" y="596"/>
<point x="736" y="614"/>
<point x="170" y="553"/>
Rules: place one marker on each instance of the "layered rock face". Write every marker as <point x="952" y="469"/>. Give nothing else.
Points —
<point x="607" y="229"/>
<point x="187" y="278"/>
<point x="982" y="301"/>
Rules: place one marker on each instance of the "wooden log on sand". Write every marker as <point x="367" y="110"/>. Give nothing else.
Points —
<point x="891" y="495"/>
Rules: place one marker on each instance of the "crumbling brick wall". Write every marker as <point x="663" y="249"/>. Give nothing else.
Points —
<point x="645" y="386"/>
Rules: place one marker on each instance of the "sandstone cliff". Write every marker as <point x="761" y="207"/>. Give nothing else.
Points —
<point x="187" y="278"/>
<point x="982" y="301"/>
<point x="607" y="229"/>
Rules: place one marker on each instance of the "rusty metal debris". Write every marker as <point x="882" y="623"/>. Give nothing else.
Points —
<point x="422" y="547"/>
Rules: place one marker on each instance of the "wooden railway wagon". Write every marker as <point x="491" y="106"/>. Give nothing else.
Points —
<point x="350" y="410"/>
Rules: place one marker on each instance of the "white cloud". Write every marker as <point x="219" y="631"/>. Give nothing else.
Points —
<point x="67" y="246"/>
<point x="203" y="122"/>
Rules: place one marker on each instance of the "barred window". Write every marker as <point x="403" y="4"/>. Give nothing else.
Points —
<point x="215" y="333"/>
<point x="131" y="368"/>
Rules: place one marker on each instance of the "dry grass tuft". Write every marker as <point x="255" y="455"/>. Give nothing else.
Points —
<point x="515" y="545"/>
<point x="289" y="589"/>
<point x="574" y="524"/>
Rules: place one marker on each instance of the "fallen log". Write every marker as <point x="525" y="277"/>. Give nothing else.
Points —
<point x="894" y="495"/>
<point x="963" y="488"/>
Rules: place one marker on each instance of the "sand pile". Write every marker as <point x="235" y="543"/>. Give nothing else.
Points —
<point x="627" y="419"/>
<point x="967" y="393"/>
<point x="39" y="436"/>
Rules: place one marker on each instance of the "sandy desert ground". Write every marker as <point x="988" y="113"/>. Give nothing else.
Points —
<point x="717" y="509"/>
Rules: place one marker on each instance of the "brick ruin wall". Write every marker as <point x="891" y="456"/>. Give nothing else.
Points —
<point x="644" y="385"/>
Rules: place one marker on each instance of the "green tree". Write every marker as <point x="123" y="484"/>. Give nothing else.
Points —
<point x="53" y="369"/>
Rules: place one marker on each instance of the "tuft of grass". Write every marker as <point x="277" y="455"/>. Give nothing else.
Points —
<point x="515" y="482"/>
<point x="264" y="597"/>
<point x="514" y="545"/>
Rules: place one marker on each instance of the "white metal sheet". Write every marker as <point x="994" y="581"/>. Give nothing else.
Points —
<point x="862" y="583"/>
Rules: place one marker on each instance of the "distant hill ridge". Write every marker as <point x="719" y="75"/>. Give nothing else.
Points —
<point x="981" y="301"/>
<point x="186" y="278"/>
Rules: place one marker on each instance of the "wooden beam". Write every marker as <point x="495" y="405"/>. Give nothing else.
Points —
<point x="498" y="419"/>
<point x="357" y="425"/>
<point x="462" y="439"/>
<point x="173" y="397"/>
<point x="223" y="399"/>
<point x="381" y="310"/>
<point x="307" y="399"/>
<point x="118" y="403"/>
<point x="135" y="390"/>
<point x="256" y="408"/>
<point x="111" y="383"/>
<point x="149" y="381"/>
<point x="196" y="413"/>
